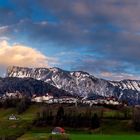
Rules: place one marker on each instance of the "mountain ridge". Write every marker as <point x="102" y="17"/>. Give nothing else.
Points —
<point x="81" y="83"/>
<point x="51" y="68"/>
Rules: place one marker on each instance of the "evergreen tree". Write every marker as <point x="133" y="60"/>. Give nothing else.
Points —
<point x="136" y="119"/>
<point x="59" y="116"/>
<point x="95" y="121"/>
<point x="23" y="105"/>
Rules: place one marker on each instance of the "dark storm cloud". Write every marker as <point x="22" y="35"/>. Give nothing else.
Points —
<point x="107" y="28"/>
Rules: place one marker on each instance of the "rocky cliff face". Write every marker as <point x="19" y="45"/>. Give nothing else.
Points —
<point x="81" y="83"/>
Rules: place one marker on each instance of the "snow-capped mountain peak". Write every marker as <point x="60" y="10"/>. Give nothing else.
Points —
<point x="80" y="83"/>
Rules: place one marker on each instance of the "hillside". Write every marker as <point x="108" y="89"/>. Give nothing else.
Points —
<point x="25" y="129"/>
<point x="81" y="84"/>
<point x="28" y="87"/>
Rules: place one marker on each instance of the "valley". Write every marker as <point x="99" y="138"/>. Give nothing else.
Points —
<point x="115" y="123"/>
<point x="34" y="101"/>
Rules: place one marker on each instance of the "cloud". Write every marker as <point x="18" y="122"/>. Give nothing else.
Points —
<point x="3" y="29"/>
<point x="107" y="29"/>
<point x="22" y="55"/>
<point x="106" y="68"/>
<point x="118" y="76"/>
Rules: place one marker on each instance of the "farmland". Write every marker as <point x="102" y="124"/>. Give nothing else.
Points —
<point x="43" y="136"/>
<point x="113" y="127"/>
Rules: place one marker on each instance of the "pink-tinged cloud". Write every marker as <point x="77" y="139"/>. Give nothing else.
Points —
<point x="21" y="55"/>
<point x="118" y="76"/>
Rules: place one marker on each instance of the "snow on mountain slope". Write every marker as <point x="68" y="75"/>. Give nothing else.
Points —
<point x="127" y="84"/>
<point x="80" y="83"/>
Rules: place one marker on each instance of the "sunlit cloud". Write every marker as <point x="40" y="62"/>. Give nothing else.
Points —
<point x="22" y="55"/>
<point x="101" y="37"/>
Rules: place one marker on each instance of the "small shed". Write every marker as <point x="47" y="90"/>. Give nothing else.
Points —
<point x="58" y="130"/>
<point x="12" y="117"/>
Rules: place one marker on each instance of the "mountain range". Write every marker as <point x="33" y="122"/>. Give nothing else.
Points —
<point x="79" y="83"/>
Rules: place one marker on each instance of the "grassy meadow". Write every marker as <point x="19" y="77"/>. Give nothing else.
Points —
<point x="44" y="136"/>
<point x="23" y="128"/>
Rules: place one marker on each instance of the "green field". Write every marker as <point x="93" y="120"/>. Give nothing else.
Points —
<point x="104" y="137"/>
<point x="112" y="129"/>
<point x="43" y="136"/>
<point x="16" y="128"/>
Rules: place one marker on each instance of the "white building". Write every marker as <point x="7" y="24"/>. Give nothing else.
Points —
<point x="12" y="117"/>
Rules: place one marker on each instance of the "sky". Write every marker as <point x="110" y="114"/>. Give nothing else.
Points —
<point x="101" y="37"/>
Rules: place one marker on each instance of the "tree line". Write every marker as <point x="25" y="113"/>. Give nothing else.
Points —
<point x="20" y="105"/>
<point x="67" y="119"/>
<point x="72" y="118"/>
